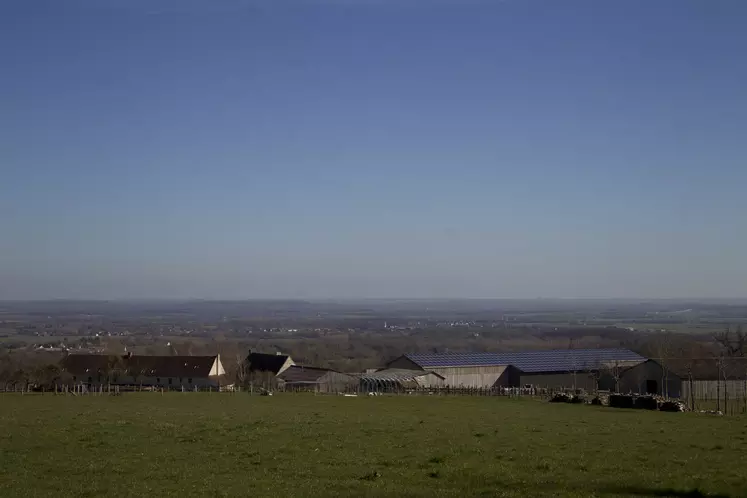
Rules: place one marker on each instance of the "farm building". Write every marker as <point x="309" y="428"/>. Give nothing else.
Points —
<point x="156" y="371"/>
<point x="565" y="368"/>
<point x="270" y="363"/>
<point x="302" y="378"/>
<point x="711" y="380"/>
<point x="264" y="368"/>
<point x="392" y="379"/>
<point x="648" y="377"/>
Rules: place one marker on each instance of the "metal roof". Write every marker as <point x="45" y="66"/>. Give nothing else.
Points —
<point x="395" y="374"/>
<point x="136" y="365"/>
<point x="557" y="360"/>
<point x="301" y="374"/>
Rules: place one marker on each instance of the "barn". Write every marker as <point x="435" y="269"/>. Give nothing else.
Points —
<point x="264" y="368"/>
<point x="272" y="364"/>
<point x="314" y="379"/>
<point x="648" y="377"/>
<point x="560" y="368"/>
<point x="461" y="369"/>
<point x="716" y="380"/>
<point x="172" y="372"/>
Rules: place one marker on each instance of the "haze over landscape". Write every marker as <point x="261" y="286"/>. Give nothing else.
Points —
<point x="390" y="149"/>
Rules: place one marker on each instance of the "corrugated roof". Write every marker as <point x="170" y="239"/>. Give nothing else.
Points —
<point x="397" y="374"/>
<point x="557" y="360"/>
<point x="150" y="366"/>
<point x="299" y="374"/>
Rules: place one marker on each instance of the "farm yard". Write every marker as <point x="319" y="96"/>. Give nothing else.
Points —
<point x="234" y="444"/>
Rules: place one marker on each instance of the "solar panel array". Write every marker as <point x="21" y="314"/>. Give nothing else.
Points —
<point x="558" y="360"/>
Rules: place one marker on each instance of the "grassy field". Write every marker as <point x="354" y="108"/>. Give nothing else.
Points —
<point x="212" y="445"/>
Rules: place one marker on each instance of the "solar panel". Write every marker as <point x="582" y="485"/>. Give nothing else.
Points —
<point x="558" y="360"/>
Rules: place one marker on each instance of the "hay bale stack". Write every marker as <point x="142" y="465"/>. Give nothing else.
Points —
<point x="621" y="401"/>
<point x="560" y="398"/>
<point x="646" y="403"/>
<point x="672" y="406"/>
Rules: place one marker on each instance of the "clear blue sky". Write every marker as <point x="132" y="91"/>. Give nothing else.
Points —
<point x="379" y="148"/>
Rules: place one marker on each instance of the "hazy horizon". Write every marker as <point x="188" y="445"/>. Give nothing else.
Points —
<point x="322" y="150"/>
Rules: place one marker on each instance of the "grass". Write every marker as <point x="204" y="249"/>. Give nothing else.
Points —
<point x="303" y="445"/>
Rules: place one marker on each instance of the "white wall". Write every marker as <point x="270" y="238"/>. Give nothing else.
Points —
<point x="481" y="377"/>
<point x="217" y="368"/>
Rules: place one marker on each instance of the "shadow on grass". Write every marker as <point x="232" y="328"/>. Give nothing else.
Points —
<point x="670" y="492"/>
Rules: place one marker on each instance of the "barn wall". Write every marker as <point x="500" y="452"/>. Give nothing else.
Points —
<point x="483" y="377"/>
<point x="332" y="382"/>
<point x="430" y="380"/>
<point x="641" y="379"/>
<point x="176" y="382"/>
<point x="707" y="390"/>
<point x="583" y="380"/>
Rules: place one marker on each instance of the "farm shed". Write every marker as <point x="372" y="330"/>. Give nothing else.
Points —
<point x="141" y="370"/>
<point x="481" y="370"/>
<point x="648" y="377"/>
<point x="563" y="368"/>
<point x="392" y="379"/>
<point x="273" y="364"/>
<point x="303" y="378"/>
<point x="571" y="368"/>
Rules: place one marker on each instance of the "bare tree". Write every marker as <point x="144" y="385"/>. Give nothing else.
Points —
<point x="732" y="351"/>
<point x="242" y="370"/>
<point x="114" y="366"/>
<point x="574" y="362"/>
<point x="688" y="353"/>
<point x="136" y="372"/>
<point x="664" y="346"/>
<point x="593" y="372"/>
<point x="615" y="370"/>
<point x="734" y="343"/>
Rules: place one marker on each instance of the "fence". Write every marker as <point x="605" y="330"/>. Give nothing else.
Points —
<point x="105" y="389"/>
<point x="728" y="397"/>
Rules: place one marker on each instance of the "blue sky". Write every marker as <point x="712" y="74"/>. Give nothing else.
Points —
<point x="312" y="149"/>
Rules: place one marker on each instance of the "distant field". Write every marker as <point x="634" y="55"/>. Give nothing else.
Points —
<point x="680" y="328"/>
<point x="213" y="445"/>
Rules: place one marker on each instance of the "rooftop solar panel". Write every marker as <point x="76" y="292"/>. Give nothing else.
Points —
<point x="558" y="360"/>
